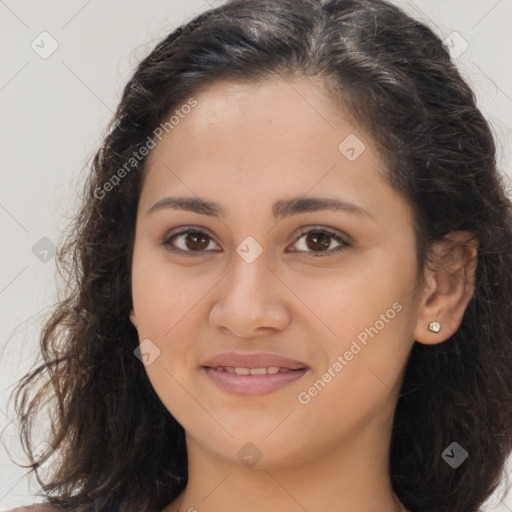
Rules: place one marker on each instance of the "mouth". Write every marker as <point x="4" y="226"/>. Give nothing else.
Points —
<point x="269" y="370"/>
<point x="252" y="375"/>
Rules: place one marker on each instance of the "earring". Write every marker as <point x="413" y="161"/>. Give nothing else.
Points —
<point x="434" y="327"/>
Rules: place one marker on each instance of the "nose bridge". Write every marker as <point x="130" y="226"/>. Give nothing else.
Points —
<point x="247" y="299"/>
<point x="249" y="277"/>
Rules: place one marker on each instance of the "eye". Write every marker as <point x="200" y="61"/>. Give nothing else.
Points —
<point x="195" y="242"/>
<point x="188" y="241"/>
<point x="319" y="240"/>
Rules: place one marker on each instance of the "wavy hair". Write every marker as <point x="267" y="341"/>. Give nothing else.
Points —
<point x="119" y="447"/>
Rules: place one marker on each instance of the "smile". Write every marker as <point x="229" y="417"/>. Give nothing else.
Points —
<point x="253" y="381"/>
<point x="270" y="370"/>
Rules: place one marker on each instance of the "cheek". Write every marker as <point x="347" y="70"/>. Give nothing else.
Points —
<point x="169" y="301"/>
<point x="367" y="320"/>
<point x="163" y="299"/>
<point x="362" y="376"/>
<point x="162" y="293"/>
<point x="352" y="297"/>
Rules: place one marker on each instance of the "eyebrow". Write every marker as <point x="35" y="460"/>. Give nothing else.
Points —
<point x="280" y="209"/>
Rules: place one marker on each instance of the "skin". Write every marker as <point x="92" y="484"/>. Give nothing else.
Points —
<point x="246" y="146"/>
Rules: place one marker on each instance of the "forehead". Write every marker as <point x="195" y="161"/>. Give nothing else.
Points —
<point x="259" y="142"/>
<point x="274" y="114"/>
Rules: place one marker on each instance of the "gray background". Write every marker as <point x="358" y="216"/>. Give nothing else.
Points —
<point x="54" y="114"/>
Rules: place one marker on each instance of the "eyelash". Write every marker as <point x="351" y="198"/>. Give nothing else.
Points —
<point x="344" y="244"/>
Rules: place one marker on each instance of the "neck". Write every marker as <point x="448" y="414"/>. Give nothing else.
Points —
<point x="343" y="478"/>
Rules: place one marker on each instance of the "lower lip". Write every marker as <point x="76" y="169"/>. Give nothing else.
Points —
<point x="252" y="385"/>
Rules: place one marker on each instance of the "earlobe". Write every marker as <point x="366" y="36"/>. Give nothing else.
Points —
<point x="133" y="318"/>
<point x="449" y="286"/>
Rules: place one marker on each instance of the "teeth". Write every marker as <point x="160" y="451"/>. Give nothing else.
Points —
<point x="271" y="370"/>
<point x="258" y="371"/>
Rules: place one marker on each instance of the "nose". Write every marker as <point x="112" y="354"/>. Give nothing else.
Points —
<point x="250" y="300"/>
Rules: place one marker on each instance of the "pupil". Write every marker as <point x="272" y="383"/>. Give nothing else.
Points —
<point x="315" y="241"/>
<point x="196" y="238"/>
<point x="321" y="239"/>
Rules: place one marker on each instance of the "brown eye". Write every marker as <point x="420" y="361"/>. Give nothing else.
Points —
<point x="197" y="241"/>
<point x="194" y="242"/>
<point x="189" y="241"/>
<point x="320" y="241"/>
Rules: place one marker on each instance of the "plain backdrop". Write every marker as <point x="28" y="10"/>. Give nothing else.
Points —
<point x="64" y="64"/>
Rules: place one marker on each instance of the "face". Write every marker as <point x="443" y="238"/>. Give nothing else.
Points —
<point x="302" y="262"/>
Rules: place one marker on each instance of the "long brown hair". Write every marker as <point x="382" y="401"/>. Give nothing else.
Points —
<point x="120" y="449"/>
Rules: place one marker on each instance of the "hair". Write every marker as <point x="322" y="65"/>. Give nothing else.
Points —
<point x="119" y="447"/>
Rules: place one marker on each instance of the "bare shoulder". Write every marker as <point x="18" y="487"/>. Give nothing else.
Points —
<point x="37" y="507"/>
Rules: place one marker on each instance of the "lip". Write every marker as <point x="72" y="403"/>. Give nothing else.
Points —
<point x="257" y="360"/>
<point x="253" y="385"/>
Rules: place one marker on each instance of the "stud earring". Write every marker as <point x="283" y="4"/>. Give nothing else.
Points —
<point x="434" y="327"/>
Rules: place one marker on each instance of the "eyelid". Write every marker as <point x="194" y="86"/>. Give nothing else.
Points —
<point x="342" y="238"/>
<point x="183" y="230"/>
<point x="347" y="239"/>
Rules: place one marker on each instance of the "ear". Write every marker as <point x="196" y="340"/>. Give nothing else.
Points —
<point x="133" y="318"/>
<point x="449" y="286"/>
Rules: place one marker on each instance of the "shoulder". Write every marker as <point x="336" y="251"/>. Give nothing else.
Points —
<point x="36" y="507"/>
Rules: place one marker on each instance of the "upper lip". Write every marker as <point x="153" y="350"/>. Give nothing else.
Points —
<point x="260" y="360"/>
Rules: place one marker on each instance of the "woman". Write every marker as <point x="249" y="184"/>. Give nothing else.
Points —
<point x="290" y="278"/>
